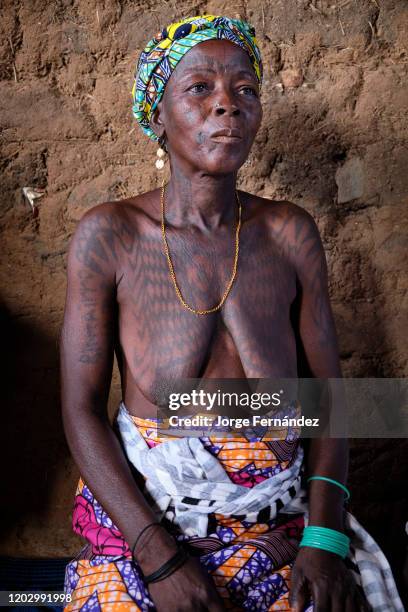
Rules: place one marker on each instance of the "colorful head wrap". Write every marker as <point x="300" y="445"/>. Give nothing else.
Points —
<point x="162" y="54"/>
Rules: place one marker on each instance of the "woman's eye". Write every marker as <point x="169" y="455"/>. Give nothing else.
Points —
<point x="251" y="91"/>
<point x="198" y="87"/>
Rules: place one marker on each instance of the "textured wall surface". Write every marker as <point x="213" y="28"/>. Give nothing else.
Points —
<point x="333" y="140"/>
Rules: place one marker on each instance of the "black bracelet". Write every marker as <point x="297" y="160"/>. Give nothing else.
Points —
<point x="141" y="533"/>
<point x="169" y="567"/>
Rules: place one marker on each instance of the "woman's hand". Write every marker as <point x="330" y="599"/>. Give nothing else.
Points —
<point x="188" y="588"/>
<point x="324" y="577"/>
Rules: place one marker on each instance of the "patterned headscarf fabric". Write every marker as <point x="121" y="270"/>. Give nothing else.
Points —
<point x="162" y="54"/>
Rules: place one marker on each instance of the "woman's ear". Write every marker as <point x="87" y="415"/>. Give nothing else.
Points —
<point x="156" y="122"/>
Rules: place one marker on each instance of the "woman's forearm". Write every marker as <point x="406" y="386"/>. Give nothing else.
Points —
<point x="104" y="468"/>
<point x="327" y="457"/>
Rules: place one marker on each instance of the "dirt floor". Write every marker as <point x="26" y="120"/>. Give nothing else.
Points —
<point x="333" y="140"/>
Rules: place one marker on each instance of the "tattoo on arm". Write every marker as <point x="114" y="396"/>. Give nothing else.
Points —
<point x="95" y="250"/>
<point x="299" y="237"/>
<point x="90" y="349"/>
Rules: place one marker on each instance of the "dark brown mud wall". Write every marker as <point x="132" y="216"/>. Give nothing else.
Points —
<point x="333" y="139"/>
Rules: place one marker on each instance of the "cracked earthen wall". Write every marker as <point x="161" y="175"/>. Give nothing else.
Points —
<point x="333" y="140"/>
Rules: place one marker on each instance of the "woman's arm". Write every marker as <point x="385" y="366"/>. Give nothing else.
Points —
<point x="320" y="355"/>
<point x="87" y="347"/>
<point x="321" y="573"/>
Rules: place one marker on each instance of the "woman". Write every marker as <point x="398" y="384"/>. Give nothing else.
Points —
<point x="157" y="279"/>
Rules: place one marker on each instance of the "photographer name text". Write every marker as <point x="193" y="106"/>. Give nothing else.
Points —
<point x="255" y="420"/>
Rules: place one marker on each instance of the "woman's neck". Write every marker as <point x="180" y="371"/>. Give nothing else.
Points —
<point x="200" y="200"/>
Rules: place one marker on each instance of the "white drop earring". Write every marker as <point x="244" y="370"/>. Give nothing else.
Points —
<point x="160" y="161"/>
<point x="161" y="152"/>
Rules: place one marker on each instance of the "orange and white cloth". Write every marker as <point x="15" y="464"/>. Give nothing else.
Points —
<point x="250" y="561"/>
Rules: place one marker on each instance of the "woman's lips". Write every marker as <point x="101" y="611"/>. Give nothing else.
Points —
<point x="226" y="135"/>
<point x="226" y="138"/>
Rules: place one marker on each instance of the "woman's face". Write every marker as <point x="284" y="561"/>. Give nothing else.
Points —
<point x="210" y="111"/>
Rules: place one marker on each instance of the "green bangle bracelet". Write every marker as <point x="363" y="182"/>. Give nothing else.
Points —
<point x="326" y="534"/>
<point x="335" y="482"/>
<point x="326" y="538"/>
<point x="340" y="552"/>
<point x="319" y="541"/>
<point x="317" y="536"/>
<point x="334" y="533"/>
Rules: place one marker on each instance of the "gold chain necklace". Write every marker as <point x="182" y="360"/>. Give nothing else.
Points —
<point x="171" y="268"/>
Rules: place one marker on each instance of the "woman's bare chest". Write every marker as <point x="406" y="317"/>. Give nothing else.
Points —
<point x="250" y="336"/>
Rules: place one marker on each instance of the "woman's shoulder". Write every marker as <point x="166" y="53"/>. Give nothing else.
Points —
<point x="277" y="210"/>
<point x="132" y="210"/>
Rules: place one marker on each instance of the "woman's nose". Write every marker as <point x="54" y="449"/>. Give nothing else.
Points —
<point x="226" y="107"/>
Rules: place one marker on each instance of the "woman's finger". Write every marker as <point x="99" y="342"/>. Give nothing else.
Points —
<point x="351" y="603"/>
<point x="295" y="583"/>
<point x="321" y="598"/>
<point x="299" y="595"/>
<point x="338" y="601"/>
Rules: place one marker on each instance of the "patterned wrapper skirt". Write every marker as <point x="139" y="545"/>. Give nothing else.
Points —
<point x="250" y="563"/>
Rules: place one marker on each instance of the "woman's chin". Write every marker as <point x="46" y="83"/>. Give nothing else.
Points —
<point x="223" y="166"/>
